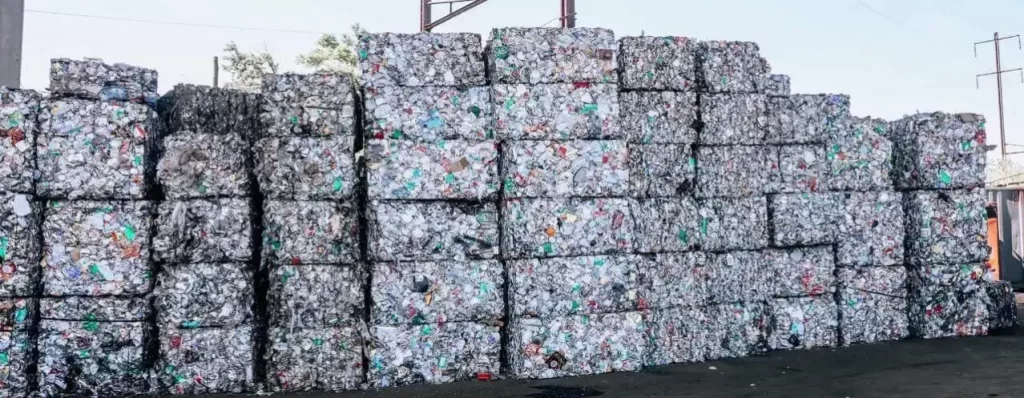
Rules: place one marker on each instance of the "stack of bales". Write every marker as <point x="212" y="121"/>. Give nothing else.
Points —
<point x="432" y="186"/>
<point x="305" y="163"/>
<point x="96" y="160"/>
<point x="202" y="242"/>
<point x="20" y="215"/>
<point x="567" y="227"/>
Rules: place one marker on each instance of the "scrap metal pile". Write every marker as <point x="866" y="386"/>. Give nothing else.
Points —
<point x="545" y="203"/>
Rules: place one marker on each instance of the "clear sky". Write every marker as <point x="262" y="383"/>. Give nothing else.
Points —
<point x="892" y="56"/>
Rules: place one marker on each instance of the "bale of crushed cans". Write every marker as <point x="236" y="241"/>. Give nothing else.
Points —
<point x="800" y="272"/>
<point x="409" y="231"/>
<point x="566" y="227"/>
<point x="92" y="346"/>
<point x="315" y="296"/>
<point x="551" y="55"/>
<point x="92" y="79"/>
<point x="317" y="105"/>
<point x="306" y="168"/>
<point x="19" y="112"/>
<point x="658" y="63"/>
<point x="204" y="295"/>
<point x="733" y="119"/>
<point x="734" y="224"/>
<point x="17" y="320"/>
<point x="859" y="153"/>
<point x="733" y="171"/>
<point x="948" y="300"/>
<point x="659" y="117"/>
<point x="323" y="359"/>
<point x="554" y="287"/>
<point x="203" y="231"/>
<point x="1002" y="305"/>
<point x="96" y="248"/>
<point x="203" y="165"/>
<point x="804" y="219"/>
<point x="939" y="151"/>
<point x="310" y="232"/>
<point x="437" y="292"/>
<point x="666" y="225"/>
<point x="873" y="304"/>
<point x="805" y="118"/>
<point x="804" y="323"/>
<point x="732" y="67"/>
<point x="205" y="361"/>
<point x="95" y="150"/>
<point x="207" y="110"/>
<point x="661" y="171"/>
<point x="945" y="227"/>
<point x="798" y="168"/>
<point x="574" y="345"/>
<point x="458" y="169"/>
<point x="20" y="271"/>
<point x="563" y="169"/>
<point x="428" y="113"/>
<point x="421" y="59"/>
<point x="737" y="330"/>
<point x="678" y="335"/>
<point x="778" y="86"/>
<point x="563" y="111"/>
<point x="677" y="280"/>
<point x="870" y="231"/>
<point x="432" y="353"/>
<point x="739" y="277"/>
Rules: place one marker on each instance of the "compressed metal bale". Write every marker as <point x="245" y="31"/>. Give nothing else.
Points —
<point x="310" y="232"/>
<point x="658" y="63"/>
<point x="432" y="353"/>
<point x="659" y="117"/>
<point x="733" y="119"/>
<point x="18" y="313"/>
<point x="799" y="168"/>
<point x="732" y="67"/>
<point x="205" y="361"/>
<point x="552" y="55"/>
<point x="95" y="150"/>
<point x="319" y="104"/>
<point x="99" y="309"/>
<point x="436" y="292"/>
<point x="19" y="110"/>
<point x="1002" y="305"/>
<point x="16" y="347"/>
<point x="806" y="118"/>
<point x="733" y="171"/>
<point x="805" y="219"/>
<point x="674" y="280"/>
<point x="556" y="111"/>
<point x="870" y="231"/>
<point x="576" y="345"/>
<point x="665" y="225"/>
<point x="777" y="86"/>
<point x="741" y="276"/>
<point x="939" y="151"/>
<point x="96" y="248"/>
<point x="89" y="357"/>
<point x="208" y="110"/>
<point x="556" y="287"/>
<point x="315" y="296"/>
<point x="306" y="168"/>
<point x="945" y="227"/>
<point x="20" y="270"/>
<point x="737" y="330"/>
<point x="93" y="79"/>
<point x="873" y="304"/>
<point x="948" y="300"/>
<point x="661" y="171"/>
<point x="203" y="230"/>
<point x="325" y="359"/>
<point x="860" y="155"/>
<point x="428" y="113"/>
<point x="808" y="271"/>
<point x="440" y="170"/>
<point x="203" y="165"/>
<point x="421" y="59"/>
<point x="566" y="227"/>
<point x="409" y="231"/>
<point x="563" y="169"/>
<point x="204" y="294"/>
<point x="677" y="335"/>
<point x="734" y="224"/>
<point x="804" y="323"/>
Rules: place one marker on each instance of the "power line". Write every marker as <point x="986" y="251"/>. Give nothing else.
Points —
<point x="190" y="24"/>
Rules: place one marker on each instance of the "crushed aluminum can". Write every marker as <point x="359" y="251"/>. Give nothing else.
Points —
<point x="432" y="353"/>
<point x="19" y="112"/>
<point x="939" y="151"/>
<point x="1002" y="305"/>
<point x="203" y="231"/>
<point x="574" y="345"/>
<point x="659" y="117"/>
<point x="946" y="227"/>
<point x="804" y="323"/>
<point x="552" y="55"/>
<point x="16" y="347"/>
<point x="860" y="155"/>
<point x="674" y="280"/>
<point x="96" y="248"/>
<point x="204" y="295"/>
<point x="18" y="314"/>
<point x="95" y="80"/>
<point x="659" y="170"/>
<point x="658" y="63"/>
<point x="317" y="105"/>
<point x="732" y="67"/>
<point x="733" y="171"/>
<point x="421" y="59"/>
<point x="410" y="231"/>
<point x="20" y="216"/>
<point x="739" y="277"/>
<point x="455" y="169"/>
<point x="566" y="227"/>
<point x="806" y="118"/>
<point x="208" y="110"/>
<point x="873" y="304"/>
<point x="669" y="224"/>
<point x="564" y="111"/>
<point x="205" y="361"/>
<point x="87" y="357"/>
<point x="734" y="224"/>
<point x="554" y="287"/>
<point x="437" y="292"/>
<point x="321" y="232"/>
<point x="101" y="309"/>
<point x="738" y="330"/>
<point x="203" y="165"/>
<point x="678" y="335"/>
<point x="322" y="359"/>
<point x="778" y="86"/>
<point x="798" y="168"/>
<point x="805" y="219"/>
<point x="306" y="168"/>
<point x="733" y="119"/>
<point x="948" y="300"/>
<point x="315" y="296"/>
<point x="428" y="113"/>
<point x="799" y="272"/>
<point x="564" y="169"/>
<point x="870" y="230"/>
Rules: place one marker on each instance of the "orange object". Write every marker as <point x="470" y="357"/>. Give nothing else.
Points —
<point x="550" y="231"/>
<point x="993" y="244"/>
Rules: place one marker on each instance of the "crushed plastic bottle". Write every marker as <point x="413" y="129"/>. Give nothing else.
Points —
<point x="421" y="59"/>
<point x="658" y="63"/>
<point x="552" y="55"/>
<point x="660" y="117"/>
<point x="457" y="169"/>
<point x="564" y="111"/>
<point x="19" y="112"/>
<point x="437" y="292"/>
<point x="554" y="169"/>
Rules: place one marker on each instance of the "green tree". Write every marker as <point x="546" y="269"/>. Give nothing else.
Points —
<point x="247" y="68"/>
<point x="335" y="54"/>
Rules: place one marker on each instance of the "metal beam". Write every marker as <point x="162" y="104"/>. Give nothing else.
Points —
<point x="426" y="24"/>
<point x="12" y="23"/>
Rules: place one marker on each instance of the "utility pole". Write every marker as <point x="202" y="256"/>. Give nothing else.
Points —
<point x="216" y="71"/>
<point x="999" y="82"/>
<point x="12" y="22"/>
<point x="568" y="13"/>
